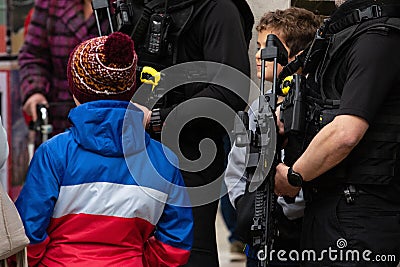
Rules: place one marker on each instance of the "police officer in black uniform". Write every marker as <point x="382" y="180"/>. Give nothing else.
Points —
<point x="350" y="169"/>
<point x="217" y="31"/>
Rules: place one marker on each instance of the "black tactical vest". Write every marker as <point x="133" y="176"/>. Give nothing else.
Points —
<point x="181" y="14"/>
<point x="376" y="159"/>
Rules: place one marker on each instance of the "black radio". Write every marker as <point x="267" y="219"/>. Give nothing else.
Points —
<point x="157" y="36"/>
<point x="293" y="108"/>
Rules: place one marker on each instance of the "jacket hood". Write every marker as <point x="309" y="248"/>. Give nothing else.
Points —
<point x="98" y="126"/>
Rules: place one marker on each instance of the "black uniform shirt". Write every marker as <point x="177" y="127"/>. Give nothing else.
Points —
<point x="372" y="78"/>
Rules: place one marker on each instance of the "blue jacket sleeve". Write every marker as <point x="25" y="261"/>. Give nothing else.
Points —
<point x="173" y="235"/>
<point x="37" y="199"/>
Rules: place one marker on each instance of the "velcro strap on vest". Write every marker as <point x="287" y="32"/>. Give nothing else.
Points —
<point x="383" y="137"/>
<point x="383" y="170"/>
<point x="389" y="119"/>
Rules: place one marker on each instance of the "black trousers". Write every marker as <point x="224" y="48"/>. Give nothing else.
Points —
<point x="364" y="233"/>
<point x="204" y="251"/>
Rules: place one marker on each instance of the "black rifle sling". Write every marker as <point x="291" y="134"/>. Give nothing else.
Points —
<point x="140" y="28"/>
<point x="371" y="12"/>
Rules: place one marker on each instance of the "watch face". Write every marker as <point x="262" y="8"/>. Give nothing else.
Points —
<point x="294" y="178"/>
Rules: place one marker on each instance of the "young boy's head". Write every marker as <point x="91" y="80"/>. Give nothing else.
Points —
<point x="295" y="27"/>
<point x="103" y="68"/>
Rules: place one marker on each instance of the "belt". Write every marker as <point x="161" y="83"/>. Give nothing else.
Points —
<point x="349" y="191"/>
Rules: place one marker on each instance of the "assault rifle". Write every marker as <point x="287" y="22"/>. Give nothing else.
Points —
<point x="263" y="152"/>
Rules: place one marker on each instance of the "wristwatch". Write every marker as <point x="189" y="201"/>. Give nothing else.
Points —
<point x="294" y="178"/>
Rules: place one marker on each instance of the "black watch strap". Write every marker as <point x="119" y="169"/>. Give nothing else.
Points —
<point x="294" y="178"/>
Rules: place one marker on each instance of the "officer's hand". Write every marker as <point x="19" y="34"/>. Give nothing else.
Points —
<point x="147" y="115"/>
<point x="282" y="186"/>
<point x="30" y="105"/>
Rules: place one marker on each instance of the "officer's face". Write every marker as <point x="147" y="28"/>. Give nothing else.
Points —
<point x="262" y="37"/>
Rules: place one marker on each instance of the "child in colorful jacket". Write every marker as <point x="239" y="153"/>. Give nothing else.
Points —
<point x="104" y="193"/>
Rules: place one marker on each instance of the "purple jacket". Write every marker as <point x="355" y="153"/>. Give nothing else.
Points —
<point x="56" y="27"/>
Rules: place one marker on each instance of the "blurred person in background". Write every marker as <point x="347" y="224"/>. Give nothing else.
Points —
<point x="54" y="29"/>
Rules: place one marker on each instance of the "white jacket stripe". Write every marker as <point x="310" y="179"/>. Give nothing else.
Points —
<point x="127" y="201"/>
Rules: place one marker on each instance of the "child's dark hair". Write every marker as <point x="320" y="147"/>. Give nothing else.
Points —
<point x="296" y="26"/>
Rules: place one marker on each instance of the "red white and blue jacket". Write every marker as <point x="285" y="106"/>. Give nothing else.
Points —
<point x="105" y="194"/>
